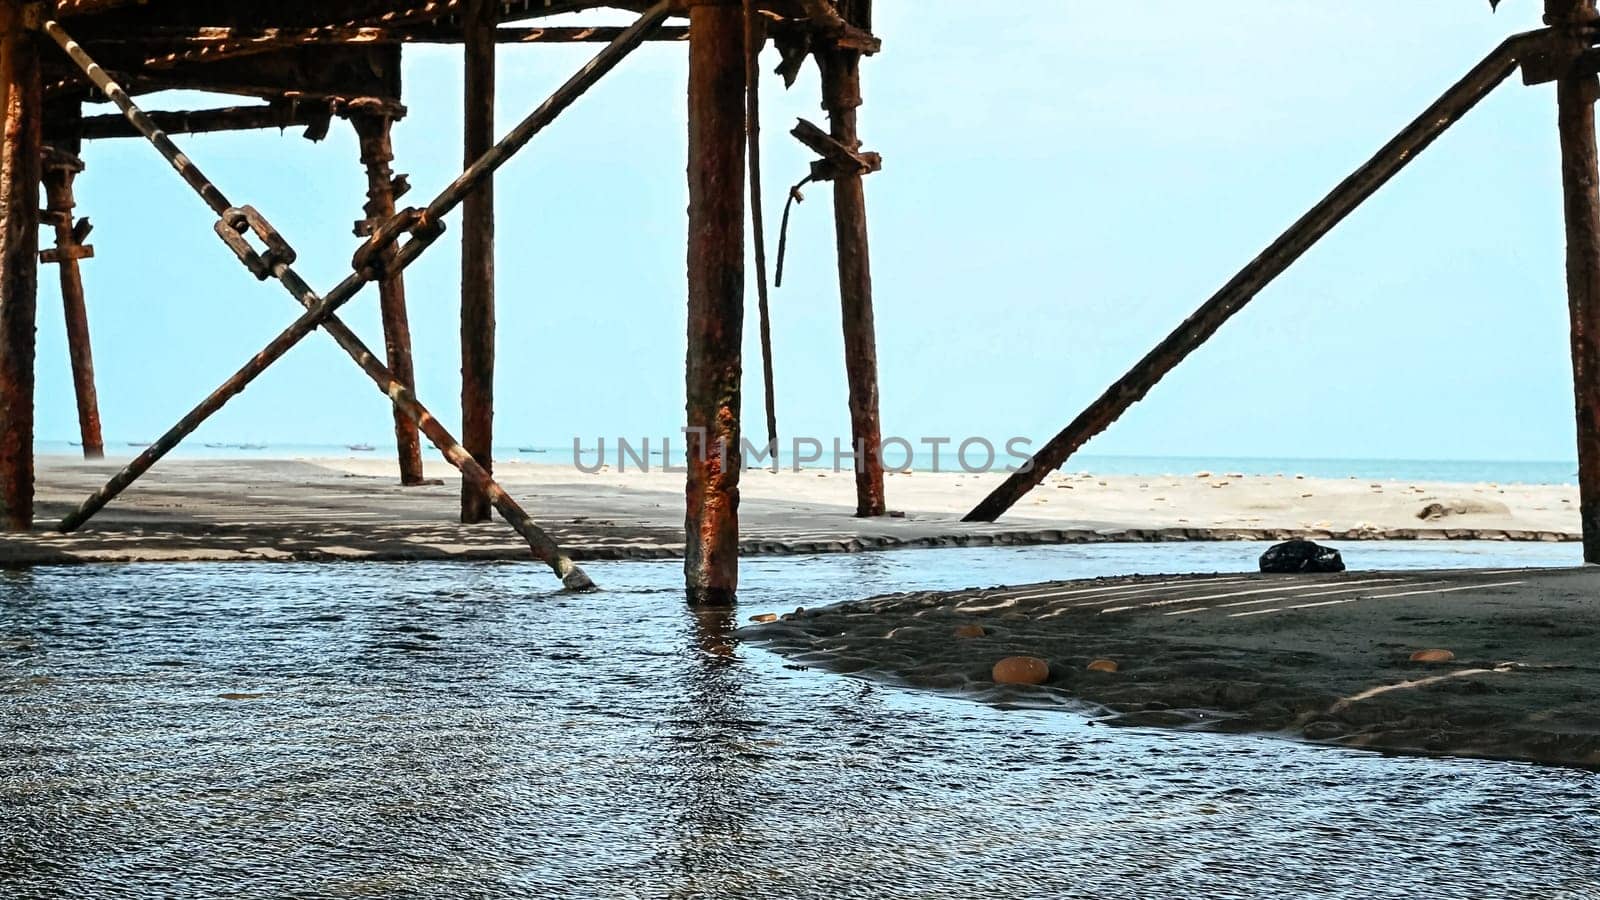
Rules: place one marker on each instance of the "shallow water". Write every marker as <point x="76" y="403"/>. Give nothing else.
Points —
<point x="460" y="731"/>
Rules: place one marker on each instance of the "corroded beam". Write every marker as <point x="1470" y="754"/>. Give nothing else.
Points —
<point x="21" y="148"/>
<point x="61" y="169"/>
<point x="716" y="298"/>
<point x="477" y="257"/>
<point x="374" y="129"/>
<point x="1576" y="93"/>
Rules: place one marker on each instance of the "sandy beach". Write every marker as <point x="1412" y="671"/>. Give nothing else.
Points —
<point x="243" y="509"/>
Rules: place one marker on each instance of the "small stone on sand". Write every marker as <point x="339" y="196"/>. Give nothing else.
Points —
<point x="1021" y="670"/>
<point x="1432" y="656"/>
<point x="970" y="631"/>
<point x="1102" y="665"/>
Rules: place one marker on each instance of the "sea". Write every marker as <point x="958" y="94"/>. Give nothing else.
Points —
<point x="1435" y="470"/>
<point x="454" y="731"/>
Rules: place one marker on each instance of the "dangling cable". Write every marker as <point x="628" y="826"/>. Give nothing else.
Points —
<point x="783" y="230"/>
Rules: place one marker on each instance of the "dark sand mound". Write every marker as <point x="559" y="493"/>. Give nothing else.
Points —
<point x="1321" y="658"/>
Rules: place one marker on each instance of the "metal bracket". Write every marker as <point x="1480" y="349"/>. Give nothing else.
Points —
<point x="66" y="252"/>
<point x="242" y="220"/>
<point x="838" y="161"/>
<point x="1545" y="66"/>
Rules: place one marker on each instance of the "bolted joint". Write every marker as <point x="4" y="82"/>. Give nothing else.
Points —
<point x="238" y="222"/>
<point x="372" y="259"/>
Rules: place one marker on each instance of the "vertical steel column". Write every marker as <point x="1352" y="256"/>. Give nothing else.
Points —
<point x="841" y="92"/>
<point x="61" y="169"/>
<point x="1580" y="177"/>
<point x="21" y="106"/>
<point x="716" y="298"/>
<point x="477" y="259"/>
<point x="374" y="128"/>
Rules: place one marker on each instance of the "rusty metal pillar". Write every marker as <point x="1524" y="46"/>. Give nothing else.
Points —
<point x="374" y="126"/>
<point x="61" y="169"/>
<point x="1580" y="176"/>
<point x="841" y="92"/>
<point x="477" y="260"/>
<point x="21" y="106"/>
<point x="716" y="298"/>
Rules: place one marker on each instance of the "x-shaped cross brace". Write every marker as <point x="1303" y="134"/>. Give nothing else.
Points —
<point x="380" y="256"/>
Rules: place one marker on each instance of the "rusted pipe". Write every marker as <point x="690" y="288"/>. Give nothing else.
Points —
<point x="1580" y="177"/>
<point x="1289" y="247"/>
<point x="477" y="257"/>
<point x="61" y="169"/>
<point x="716" y="299"/>
<point x="373" y="130"/>
<point x="841" y="89"/>
<point x="21" y="143"/>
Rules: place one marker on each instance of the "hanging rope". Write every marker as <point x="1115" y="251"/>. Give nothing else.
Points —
<point x="754" y="38"/>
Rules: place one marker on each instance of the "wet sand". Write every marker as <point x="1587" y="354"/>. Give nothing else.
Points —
<point x="1317" y="658"/>
<point x="189" y="509"/>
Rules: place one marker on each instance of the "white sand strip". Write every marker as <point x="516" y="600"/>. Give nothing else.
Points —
<point x="1468" y="587"/>
<point x="1465" y="587"/>
<point x="1267" y="590"/>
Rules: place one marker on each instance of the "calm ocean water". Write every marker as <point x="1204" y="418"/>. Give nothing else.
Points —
<point x="1499" y="471"/>
<point x="464" y="731"/>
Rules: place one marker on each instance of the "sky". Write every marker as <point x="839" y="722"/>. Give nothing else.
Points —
<point x="1064" y="182"/>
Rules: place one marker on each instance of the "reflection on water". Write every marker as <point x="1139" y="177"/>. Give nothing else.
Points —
<point x="458" y="731"/>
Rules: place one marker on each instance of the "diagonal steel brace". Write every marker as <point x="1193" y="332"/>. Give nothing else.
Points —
<point x="320" y="311"/>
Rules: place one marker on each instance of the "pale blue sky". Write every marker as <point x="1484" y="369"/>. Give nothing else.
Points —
<point x="1064" y="182"/>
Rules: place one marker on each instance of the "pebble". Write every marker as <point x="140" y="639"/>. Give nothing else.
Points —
<point x="970" y="631"/>
<point x="1432" y="656"/>
<point x="1102" y="665"/>
<point x="1021" y="670"/>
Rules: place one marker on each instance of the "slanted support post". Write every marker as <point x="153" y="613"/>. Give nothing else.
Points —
<point x="21" y="148"/>
<point x="1580" y="177"/>
<point x="716" y="298"/>
<point x="477" y="259"/>
<point x="1261" y="272"/>
<point x="374" y="126"/>
<point x="61" y="169"/>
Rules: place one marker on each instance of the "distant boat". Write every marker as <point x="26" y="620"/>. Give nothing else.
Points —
<point x="531" y="450"/>
<point x="362" y="448"/>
